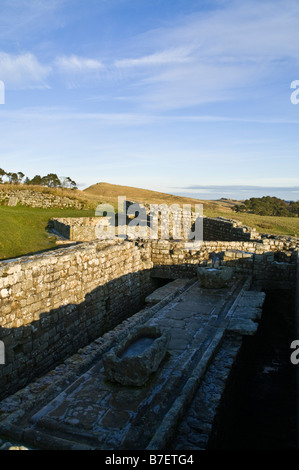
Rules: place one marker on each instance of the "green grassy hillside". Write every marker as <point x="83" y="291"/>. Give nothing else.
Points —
<point x="24" y="229"/>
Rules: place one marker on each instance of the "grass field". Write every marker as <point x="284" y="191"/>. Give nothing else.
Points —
<point x="24" y="229"/>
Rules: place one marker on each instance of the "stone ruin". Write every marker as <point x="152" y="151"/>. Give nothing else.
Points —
<point x="121" y="344"/>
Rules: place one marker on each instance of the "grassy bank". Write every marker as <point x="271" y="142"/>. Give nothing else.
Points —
<point x="24" y="229"/>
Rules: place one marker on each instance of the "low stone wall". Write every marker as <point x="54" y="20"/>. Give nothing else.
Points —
<point x="269" y="262"/>
<point x="53" y="304"/>
<point x="38" y="199"/>
<point x="76" y="228"/>
<point x="169" y="226"/>
<point x="85" y="228"/>
<point x="213" y="229"/>
<point x="227" y="230"/>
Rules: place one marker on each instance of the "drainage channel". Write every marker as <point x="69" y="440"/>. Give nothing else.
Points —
<point x="92" y="412"/>
<point x="258" y="410"/>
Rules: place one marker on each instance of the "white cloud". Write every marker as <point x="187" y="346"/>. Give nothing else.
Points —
<point x="78" y="72"/>
<point x="23" y="71"/>
<point x="116" y="119"/>
<point x="76" y="64"/>
<point x="241" y="31"/>
<point x="60" y="114"/>
<point x="179" y="55"/>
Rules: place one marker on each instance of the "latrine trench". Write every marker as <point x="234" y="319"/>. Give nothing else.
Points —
<point x="59" y="308"/>
<point x="196" y="320"/>
<point x="258" y="409"/>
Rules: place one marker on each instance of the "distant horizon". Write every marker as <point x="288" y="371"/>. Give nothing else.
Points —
<point x="239" y="194"/>
<point x="216" y="192"/>
<point x="212" y="192"/>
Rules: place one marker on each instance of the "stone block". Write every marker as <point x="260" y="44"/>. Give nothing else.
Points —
<point x="214" y="278"/>
<point x="133" y="360"/>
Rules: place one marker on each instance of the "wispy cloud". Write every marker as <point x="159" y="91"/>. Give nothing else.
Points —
<point x="206" y="57"/>
<point x="23" y="71"/>
<point x="214" y="56"/>
<point x="179" y="55"/>
<point x="60" y="113"/>
<point x="77" y="71"/>
<point x="75" y="64"/>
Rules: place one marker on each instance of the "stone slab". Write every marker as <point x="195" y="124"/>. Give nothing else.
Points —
<point x="165" y="290"/>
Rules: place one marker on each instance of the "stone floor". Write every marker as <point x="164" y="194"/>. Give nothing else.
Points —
<point x="86" y="411"/>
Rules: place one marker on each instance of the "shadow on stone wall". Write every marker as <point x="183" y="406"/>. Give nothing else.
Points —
<point x="36" y="348"/>
<point x="33" y="349"/>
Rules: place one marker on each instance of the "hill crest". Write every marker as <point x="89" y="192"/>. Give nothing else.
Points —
<point x="109" y="193"/>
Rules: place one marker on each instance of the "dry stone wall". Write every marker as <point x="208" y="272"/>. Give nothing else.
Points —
<point x="76" y="228"/>
<point x="227" y="230"/>
<point x="55" y="303"/>
<point x="213" y="229"/>
<point x="12" y="197"/>
<point x="168" y="226"/>
<point x="272" y="261"/>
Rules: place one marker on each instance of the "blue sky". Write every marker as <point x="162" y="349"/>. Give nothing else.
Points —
<point x="183" y="96"/>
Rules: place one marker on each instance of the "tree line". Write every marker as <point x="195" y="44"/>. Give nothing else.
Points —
<point x="51" y="180"/>
<point x="268" y="205"/>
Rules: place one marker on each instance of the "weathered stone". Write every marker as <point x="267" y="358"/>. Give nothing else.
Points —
<point x="133" y="360"/>
<point x="43" y="199"/>
<point x="162" y="292"/>
<point x="214" y="278"/>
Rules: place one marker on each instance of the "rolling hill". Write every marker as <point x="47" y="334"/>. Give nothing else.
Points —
<point x="106" y="192"/>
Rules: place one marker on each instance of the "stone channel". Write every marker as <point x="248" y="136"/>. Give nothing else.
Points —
<point x="76" y="406"/>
